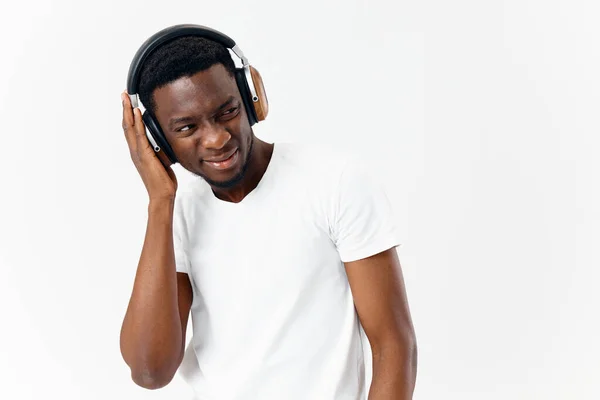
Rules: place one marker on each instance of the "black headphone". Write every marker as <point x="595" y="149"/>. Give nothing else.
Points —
<point x="248" y="80"/>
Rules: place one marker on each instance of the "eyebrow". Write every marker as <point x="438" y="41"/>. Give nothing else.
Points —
<point x="179" y="120"/>
<point x="176" y="121"/>
<point x="227" y="102"/>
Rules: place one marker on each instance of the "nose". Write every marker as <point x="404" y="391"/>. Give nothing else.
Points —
<point x="213" y="137"/>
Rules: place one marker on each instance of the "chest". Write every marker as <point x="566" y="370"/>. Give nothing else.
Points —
<point x="279" y="250"/>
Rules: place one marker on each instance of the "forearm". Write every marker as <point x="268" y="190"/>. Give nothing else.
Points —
<point x="151" y="334"/>
<point x="394" y="371"/>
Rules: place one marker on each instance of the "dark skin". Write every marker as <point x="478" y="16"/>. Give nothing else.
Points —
<point x="380" y="300"/>
<point x="203" y="119"/>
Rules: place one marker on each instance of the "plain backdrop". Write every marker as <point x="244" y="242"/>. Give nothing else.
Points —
<point x="480" y="116"/>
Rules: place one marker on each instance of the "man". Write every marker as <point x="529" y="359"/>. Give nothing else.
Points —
<point x="279" y="251"/>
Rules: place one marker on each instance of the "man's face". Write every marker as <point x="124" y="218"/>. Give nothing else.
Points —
<point x="204" y="120"/>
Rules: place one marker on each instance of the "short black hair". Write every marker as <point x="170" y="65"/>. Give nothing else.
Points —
<point x="184" y="56"/>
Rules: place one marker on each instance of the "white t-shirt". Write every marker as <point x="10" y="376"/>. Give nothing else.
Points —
<point x="273" y="316"/>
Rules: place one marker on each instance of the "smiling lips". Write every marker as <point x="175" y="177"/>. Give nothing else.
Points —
<point x="224" y="163"/>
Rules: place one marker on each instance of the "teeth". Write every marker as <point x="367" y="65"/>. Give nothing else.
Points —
<point x="220" y="163"/>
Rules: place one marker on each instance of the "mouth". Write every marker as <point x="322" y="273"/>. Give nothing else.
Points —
<point x="224" y="163"/>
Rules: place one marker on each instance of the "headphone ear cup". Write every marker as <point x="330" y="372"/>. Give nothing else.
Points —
<point x="158" y="135"/>
<point x="242" y="83"/>
<point x="261" y="107"/>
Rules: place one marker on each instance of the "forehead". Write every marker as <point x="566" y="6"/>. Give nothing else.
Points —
<point x="201" y="92"/>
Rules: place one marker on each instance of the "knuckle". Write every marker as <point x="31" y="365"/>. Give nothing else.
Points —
<point x="141" y="133"/>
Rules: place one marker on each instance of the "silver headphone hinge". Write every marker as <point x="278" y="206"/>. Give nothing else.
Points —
<point x="134" y="100"/>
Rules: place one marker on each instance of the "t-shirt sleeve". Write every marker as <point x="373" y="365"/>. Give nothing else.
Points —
<point x="362" y="222"/>
<point x="180" y="240"/>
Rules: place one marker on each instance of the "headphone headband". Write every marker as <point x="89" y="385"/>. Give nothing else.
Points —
<point x="165" y="35"/>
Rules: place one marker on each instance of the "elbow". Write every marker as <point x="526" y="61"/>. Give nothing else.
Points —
<point x="151" y="379"/>
<point x="413" y="351"/>
<point x="409" y="344"/>
<point x="400" y="346"/>
<point x="151" y="371"/>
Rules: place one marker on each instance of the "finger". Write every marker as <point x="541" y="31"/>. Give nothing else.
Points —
<point x="127" y="110"/>
<point x="143" y="144"/>
<point x="128" y="121"/>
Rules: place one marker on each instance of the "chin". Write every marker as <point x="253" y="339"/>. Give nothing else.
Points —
<point x="225" y="183"/>
<point x="225" y="179"/>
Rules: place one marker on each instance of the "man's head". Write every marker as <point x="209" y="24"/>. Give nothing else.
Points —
<point x="189" y="86"/>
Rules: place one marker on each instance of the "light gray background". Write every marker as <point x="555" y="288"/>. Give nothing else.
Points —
<point x="481" y="117"/>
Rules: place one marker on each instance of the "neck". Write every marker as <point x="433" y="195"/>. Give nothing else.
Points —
<point x="258" y="163"/>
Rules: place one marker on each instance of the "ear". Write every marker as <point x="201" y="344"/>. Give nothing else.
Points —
<point x="262" y="105"/>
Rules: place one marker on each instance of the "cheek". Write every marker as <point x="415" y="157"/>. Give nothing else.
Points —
<point x="242" y="123"/>
<point x="185" y="149"/>
<point x="237" y="125"/>
<point x="240" y="130"/>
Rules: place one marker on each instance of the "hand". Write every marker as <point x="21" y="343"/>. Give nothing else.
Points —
<point x="160" y="180"/>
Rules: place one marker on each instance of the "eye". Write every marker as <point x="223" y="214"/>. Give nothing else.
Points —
<point x="185" y="128"/>
<point x="230" y="113"/>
